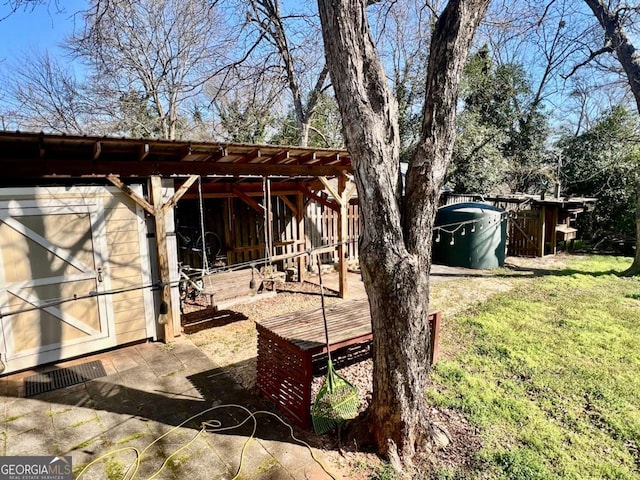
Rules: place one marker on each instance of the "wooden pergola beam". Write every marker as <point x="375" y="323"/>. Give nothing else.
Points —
<point x="131" y="194"/>
<point x="177" y="195"/>
<point x="321" y="200"/>
<point x="14" y="167"/>
<point x="249" y="157"/>
<point x="249" y="201"/>
<point x="292" y="206"/>
<point x="351" y="189"/>
<point x="327" y="185"/>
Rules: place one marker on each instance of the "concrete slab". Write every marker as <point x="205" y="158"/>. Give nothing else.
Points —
<point x="256" y="459"/>
<point x="27" y="415"/>
<point x="200" y="461"/>
<point x="30" y="443"/>
<point x="150" y="390"/>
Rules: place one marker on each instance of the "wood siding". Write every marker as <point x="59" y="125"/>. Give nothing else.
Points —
<point x="125" y="263"/>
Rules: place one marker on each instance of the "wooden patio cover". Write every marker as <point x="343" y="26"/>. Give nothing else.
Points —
<point x="38" y="155"/>
<point x="225" y="169"/>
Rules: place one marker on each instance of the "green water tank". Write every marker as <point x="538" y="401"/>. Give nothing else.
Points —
<point x="471" y="235"/>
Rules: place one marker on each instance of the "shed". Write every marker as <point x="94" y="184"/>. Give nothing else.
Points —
<point x="88" y="246"/>
<point x="537" y="223"/>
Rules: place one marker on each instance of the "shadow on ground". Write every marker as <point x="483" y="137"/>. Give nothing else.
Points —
<point x="203" y="319"/>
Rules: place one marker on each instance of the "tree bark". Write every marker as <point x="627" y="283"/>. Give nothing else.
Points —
<point x="395" y="246"/>
<point x="634" y="269"/>
<point x="617" y="38"/>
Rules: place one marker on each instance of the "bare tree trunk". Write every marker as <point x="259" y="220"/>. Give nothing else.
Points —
<point x="395" y="249"/>
<point x="618" y="41"/>
<point x="634" y="269"/>
<point x="268" y="16"/>
<point x="303" y="138"/>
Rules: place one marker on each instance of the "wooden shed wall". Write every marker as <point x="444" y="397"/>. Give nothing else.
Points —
<point x="129" y="266"/>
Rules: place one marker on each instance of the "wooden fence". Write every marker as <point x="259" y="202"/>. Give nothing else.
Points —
<point x="240" y="230"/>
<point x="322" y="229"/>
<point x="524" y="234"/>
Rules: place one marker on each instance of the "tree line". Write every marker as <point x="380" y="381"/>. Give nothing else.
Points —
<point x="535" y="90"/>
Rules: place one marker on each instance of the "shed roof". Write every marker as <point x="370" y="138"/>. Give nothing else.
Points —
<point x="39" y="155"/>
<point x="547" y="200"/>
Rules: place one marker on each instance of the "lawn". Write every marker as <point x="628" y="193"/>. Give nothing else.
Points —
<point x="548" y="372"/>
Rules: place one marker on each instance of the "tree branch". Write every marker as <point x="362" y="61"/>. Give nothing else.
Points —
<point x="592" y="56"/>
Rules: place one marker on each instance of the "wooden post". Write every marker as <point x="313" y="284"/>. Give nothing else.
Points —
<point x="166" y="310"/>
<point x="342" y="235"/>
<point x="228" y="228"/>
<point x="269" y="217"/>
<point x="554" y="233"/>
<point x="302" y="237"/>
<point x="543" y="229"/>
<point x="434" y="325"/>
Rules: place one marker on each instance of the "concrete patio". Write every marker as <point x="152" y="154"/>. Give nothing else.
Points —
<point x="150" y="389"/>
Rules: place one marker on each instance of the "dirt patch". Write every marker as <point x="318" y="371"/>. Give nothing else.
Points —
<point x="229" y="339"/>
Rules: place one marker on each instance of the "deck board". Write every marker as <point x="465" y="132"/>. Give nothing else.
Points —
<point x="305" y="330"/>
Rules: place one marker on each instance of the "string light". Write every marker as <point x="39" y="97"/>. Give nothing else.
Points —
<point x="452" y="228"/>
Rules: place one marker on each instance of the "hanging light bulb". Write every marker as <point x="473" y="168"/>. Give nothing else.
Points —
<point x="452" y="242"/>
<point x="473" y="228"/>
<point x="464" y="232"/>
<point x="438" y="237"/>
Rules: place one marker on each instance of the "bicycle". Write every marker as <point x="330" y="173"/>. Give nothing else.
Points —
<point x="212" y="244"/>
<point x="190" y="284"/>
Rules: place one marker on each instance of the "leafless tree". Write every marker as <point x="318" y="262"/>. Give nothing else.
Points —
<point x="290" y="46"/>
<point x="14" y="6"/>
<point x="45" y="95"/>
<point x="616" y="20"/>
<point x="154" y="55"/>
<point x="395" y="249"/>
<point x="402" y="32"/>
<point x="245" y="112"/>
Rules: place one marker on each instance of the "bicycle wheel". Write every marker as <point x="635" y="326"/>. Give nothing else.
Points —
<point x="182" y="289"/>
<point x="212" y="245"/>
<point x="196" y="286"/>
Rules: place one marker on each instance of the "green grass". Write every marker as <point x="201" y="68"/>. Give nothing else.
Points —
<point x="550" y="374"/>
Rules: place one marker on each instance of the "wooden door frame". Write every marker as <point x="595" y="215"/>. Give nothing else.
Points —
<point x="43" y="206"/>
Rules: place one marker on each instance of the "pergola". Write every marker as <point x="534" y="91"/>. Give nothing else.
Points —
<point x="226" y="169"/>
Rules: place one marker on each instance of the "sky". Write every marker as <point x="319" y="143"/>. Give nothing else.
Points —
<point x="38" y="29"/>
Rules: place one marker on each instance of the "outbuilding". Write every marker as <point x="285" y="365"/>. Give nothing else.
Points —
<point x="88" y="247"/>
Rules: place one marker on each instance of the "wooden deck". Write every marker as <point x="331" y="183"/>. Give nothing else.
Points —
<point x="346" y="321"/>
<point x="288" y="346"/>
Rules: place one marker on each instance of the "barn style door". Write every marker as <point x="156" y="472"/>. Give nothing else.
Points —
<point x="524" y="234"/>
<point x="52" y="258"/>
